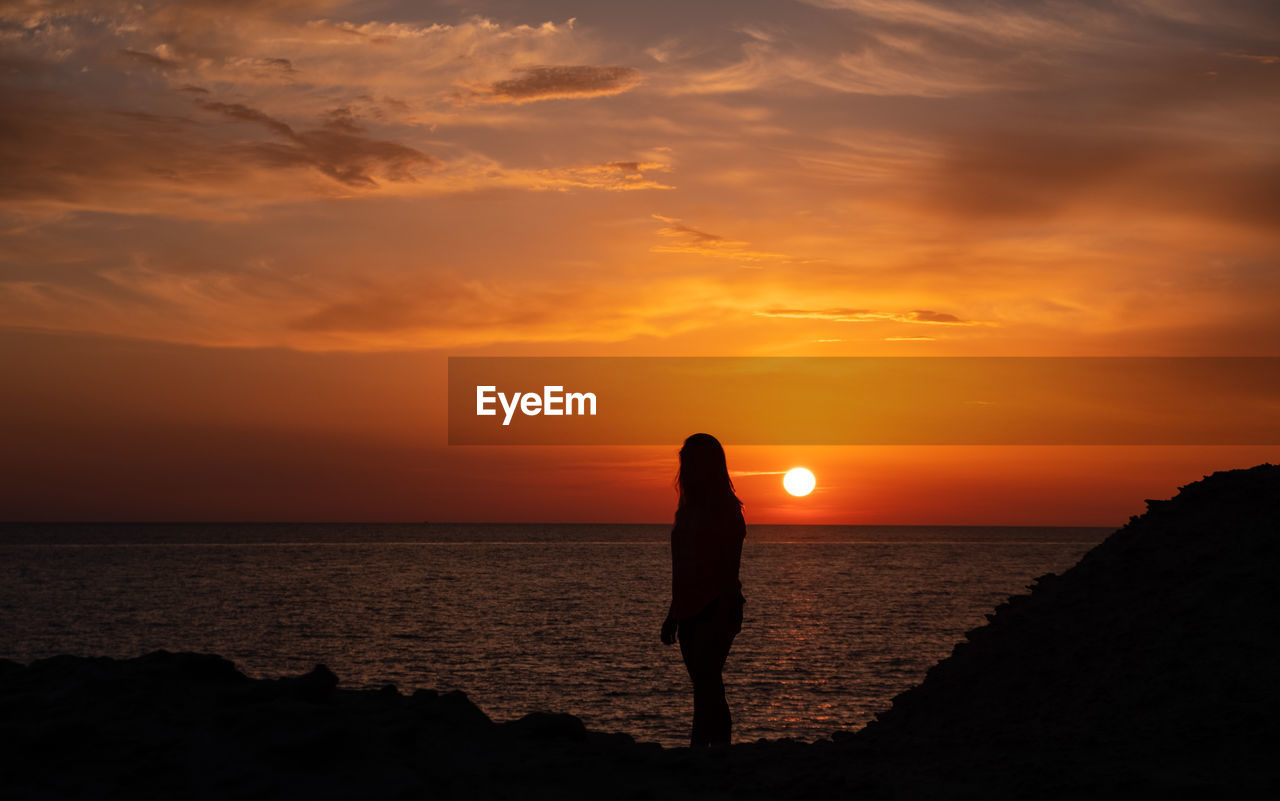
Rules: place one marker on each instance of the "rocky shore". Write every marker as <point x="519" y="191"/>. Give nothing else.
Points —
<point x="1148" y="669"/>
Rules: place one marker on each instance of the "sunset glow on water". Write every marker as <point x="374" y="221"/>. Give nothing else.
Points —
<point x="560" y="618"/>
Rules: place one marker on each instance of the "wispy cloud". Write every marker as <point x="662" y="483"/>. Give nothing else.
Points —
<point x="217" y="159"/>
<point x="550" y="83"/>
<point x="839" y="315"/>
<point x="150" y="59"/>
<point x="682" y="238"/>
<point x="1257" y="59"/>
<point x="339" y="150"/>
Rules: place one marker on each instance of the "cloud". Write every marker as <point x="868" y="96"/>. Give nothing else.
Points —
<point x="1010" y="23"/>
<point x="883" y="65"/>
<point x="685" y="239"/>
<point x="1257" y="59"/>
<point x="291" y="57"/>
<point x="1036" y="172"/>
<point x="77" y="157"/>
<point x="150" y="59"/>
<point x="293" y="105"/>
<point x="239" y="111"/>
<point x="904" y="66"/>
<point x="613" y="175"/>
<point x="840" y="315"/>
<point x="927" y="316"/>
<point x="474" y="172"/>
<point x="260" y="304"/>
<point x="227" y="158"/>
<point x="183" y="165"/>
<point x="283" y="65"/>
<point x="337" y="150"/>
<point x="678" y="230"/>
<point x="919" y="48"/>
<point x="435" y="304"/>
<point x="548" y="83"/>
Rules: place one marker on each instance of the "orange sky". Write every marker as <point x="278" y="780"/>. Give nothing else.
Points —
<point x="238" y="240"/>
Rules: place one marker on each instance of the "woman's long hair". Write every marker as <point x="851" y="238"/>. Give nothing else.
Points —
<point x="703" y="478"/>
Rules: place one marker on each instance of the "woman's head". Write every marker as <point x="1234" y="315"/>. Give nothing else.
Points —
<point x="703" y="477"/>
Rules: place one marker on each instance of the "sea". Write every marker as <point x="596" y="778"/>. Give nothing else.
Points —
<point x="554" y="617"/>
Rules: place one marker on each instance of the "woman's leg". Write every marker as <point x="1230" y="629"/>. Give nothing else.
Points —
<point x="704" y="644"/>
<point x="719" y="721"/>
<point x="692" y="650"/>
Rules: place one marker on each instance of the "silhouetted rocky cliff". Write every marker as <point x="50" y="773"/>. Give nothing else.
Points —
<point x="1147" y="669"/>
<point x="1157" y="651"/>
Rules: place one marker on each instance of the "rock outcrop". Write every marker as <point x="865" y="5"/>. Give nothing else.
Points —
<point x="183" y="725"/>
<point x="1157" y="653"/>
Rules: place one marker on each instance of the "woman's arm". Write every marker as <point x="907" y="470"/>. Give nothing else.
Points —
<point x="668" y="634"/>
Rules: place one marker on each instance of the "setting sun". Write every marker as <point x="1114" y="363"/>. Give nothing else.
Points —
<point x="799" y="481"/>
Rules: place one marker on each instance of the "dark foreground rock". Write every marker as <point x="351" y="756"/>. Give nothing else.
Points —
<point x="1147" y="670"/>
<point x="1153" y="663"/>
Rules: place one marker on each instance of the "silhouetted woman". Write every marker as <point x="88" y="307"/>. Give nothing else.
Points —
<point x="706" y="595"/>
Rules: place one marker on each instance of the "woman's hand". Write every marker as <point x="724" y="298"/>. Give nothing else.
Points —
<point x="669" y="631"/>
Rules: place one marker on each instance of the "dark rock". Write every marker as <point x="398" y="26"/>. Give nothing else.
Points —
<point x="317" y="685"/>
<point x="549" y="726"/>
<point x="424" y="696"/>
<point x="188" y="667"/>
<point x="454" y="710"/>
<point x="611" y="740"/>
<point x="1158" y="645"/>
